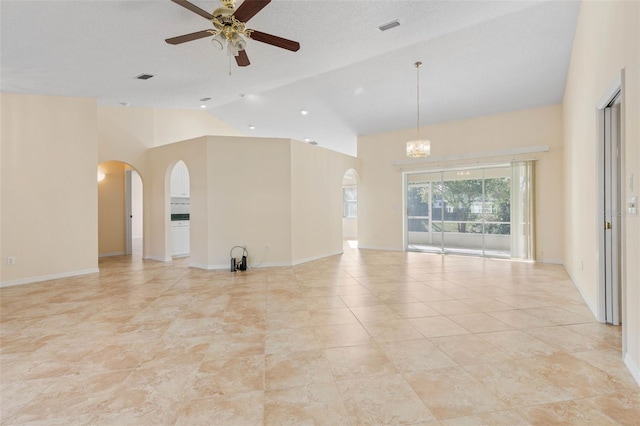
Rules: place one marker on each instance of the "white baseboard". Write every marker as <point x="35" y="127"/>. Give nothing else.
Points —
<point x="634" y="369"/>
<point x="312" y="258"/>
<point x="367" y="247"/>
<point x="593" y="309"/>
<point x="41" y="278"/>
<point x="552" y="261"/>
<point x="115" y="253"/>
<point x="266" y="264"/>
<point x="209" y="267"/>
<point x="157" y="258"/>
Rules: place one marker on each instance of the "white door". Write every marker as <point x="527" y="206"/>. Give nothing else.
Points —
<point x="610" y="263"/>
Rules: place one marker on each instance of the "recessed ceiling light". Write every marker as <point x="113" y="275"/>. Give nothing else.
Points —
<point x="144" y="76"/>
<point x="252" y="127"/>
<point x="203" y="106"/>
<point x="389" y="25"/>
<point x="304" y="112"/>
<point x="307" y="140"/>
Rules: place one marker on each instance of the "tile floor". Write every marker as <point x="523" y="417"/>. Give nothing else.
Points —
<point x="368" y="337"/>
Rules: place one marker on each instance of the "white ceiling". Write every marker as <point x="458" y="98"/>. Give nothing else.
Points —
<point x="480" y="57"/>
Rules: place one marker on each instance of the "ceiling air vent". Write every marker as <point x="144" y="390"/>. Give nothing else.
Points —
<point x="389" y="25"/>
<point x="313" y="143"/>
<point x="144" y="76"/>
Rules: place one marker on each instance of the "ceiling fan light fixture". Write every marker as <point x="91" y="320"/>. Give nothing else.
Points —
<point x="418" y="148"/>
<point x="238" y="42"/>
<point x="218" y="41"/>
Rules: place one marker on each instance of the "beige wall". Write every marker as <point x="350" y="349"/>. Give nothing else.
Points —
<point x="607" y="41"/>
<point x="157" y="240"/>
<point x="49" y="191"/>
<point x="380" y="193"/>
<point x="239" y="196"/>
<point x="111" y="213"/>
<point x="250" y="199"/>
<point x="279" y="198"/>
<point x="178" y="125"/>
<point x="316" y="200"/>
<point x="128" y="133"/>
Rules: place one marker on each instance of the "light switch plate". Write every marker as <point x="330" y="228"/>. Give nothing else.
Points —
<point x="633" y="205"/>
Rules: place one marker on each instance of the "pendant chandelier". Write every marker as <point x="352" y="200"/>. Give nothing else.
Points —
<point x="418" y="148"/>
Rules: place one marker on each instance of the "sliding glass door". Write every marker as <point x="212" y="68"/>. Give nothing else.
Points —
<point x="468" y="211"/>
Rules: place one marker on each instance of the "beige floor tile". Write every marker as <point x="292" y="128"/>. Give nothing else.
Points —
<point x="497" y="418"/>
<point x="153" y="343"/>
<point x="609" y="361"/>
<point x="374" y="313"/>
<point x="452" y="392"/>
<point x="393" y="330"/>
<point x="352" y="362"/>
<point x="479" y="322"/>
<point x="437" y="326"/>
<point x="469" y="349"/>
<point x="332" y="316"/>
<point x="238" y="409"/>
<point x="486" y="304"/>
<point x="71" y="396"/>
<point x="236" y="375"/>
<point x="331" y="336"/>
<point x="575" y="412"/>
<point x="520" y="319"/>
<point x="401" y="404"/>
<point x="291" y="340"/>
<point x="296" y="369"/>
<point x="288" y="319"/>
<point x="414" y="310"/>
<point x="567" y="339"/>
<point x="515" y="385"/>
<point x="622" y="407"/>
<point x="317" y="404"/>
<point x="518" y="344"/>
<point x="359" y="300"/>
<point x="416" y="355"/>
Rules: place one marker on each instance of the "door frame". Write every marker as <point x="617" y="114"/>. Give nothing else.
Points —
<point x="128" y="213"/>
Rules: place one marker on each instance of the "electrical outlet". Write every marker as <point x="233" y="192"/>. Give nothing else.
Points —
<point x="11" y="260"/>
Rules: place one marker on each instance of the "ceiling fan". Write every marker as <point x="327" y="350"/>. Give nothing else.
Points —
<point x="230" y="26"/>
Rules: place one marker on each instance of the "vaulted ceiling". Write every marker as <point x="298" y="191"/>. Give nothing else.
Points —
<point x="480" y="57"/>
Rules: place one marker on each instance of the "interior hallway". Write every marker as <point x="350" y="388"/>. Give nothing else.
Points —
<point x="369" y="337"/>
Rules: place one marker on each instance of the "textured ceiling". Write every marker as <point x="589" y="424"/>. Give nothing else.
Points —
<point x="480" y="57"/>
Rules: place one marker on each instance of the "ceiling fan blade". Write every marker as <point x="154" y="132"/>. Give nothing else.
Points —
<point x="275" y="41"/>
<point x="249" y="8"/>
<point x="242" y="59"/>
<point x="189" y="37"/>
<point x="194" y="8"/>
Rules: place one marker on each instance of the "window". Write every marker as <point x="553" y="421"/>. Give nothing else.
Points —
<point x="471" y="211"/>
<point x="350" y="202"/>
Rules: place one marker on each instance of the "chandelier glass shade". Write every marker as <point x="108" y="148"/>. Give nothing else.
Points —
<point x="418" y="148"/>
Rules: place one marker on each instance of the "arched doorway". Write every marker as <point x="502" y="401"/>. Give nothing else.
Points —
<point x="350" y="208"/>
<point x="180" y="209"/>
<point x="120" y="210"/>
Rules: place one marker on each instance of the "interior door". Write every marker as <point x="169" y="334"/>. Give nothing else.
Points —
<point x="612" y="212"/>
